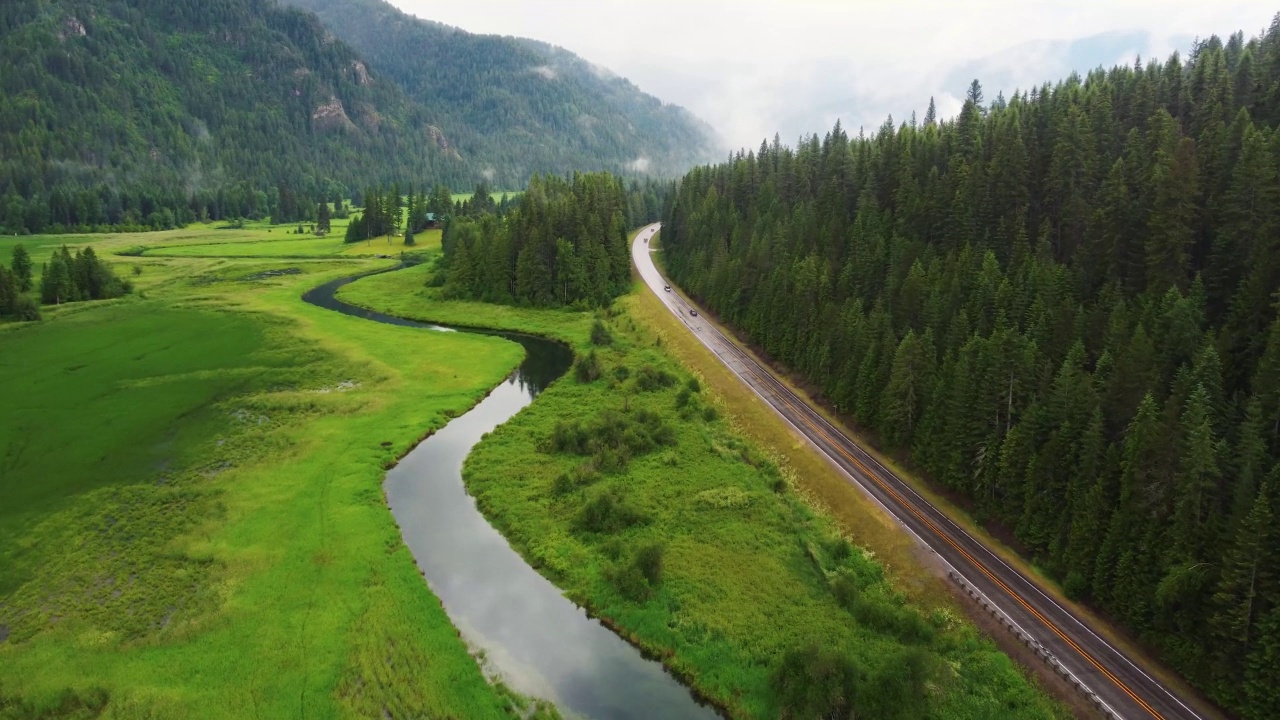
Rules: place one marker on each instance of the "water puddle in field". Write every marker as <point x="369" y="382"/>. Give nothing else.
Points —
<point x="540" y="643"/>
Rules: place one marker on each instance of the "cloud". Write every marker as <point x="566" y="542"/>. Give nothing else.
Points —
<point x="546" y="71"/>
<point x="755" y="67"/>
<point x="488" y="174"/>
<point x="640" y="164"/>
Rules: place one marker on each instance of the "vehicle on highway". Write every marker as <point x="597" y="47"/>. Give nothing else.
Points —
<point x="667" y="288"/>
<point x="693" y="313"/>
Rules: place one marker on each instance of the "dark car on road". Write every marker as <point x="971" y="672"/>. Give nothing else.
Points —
<point x="667" y="288"/>
<point x="693" y="313"/>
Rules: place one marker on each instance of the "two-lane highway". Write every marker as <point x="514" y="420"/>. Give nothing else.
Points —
<point x="1113" y="682"/>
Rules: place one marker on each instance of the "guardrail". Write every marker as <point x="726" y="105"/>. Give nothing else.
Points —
<point x="1034" y="645"/>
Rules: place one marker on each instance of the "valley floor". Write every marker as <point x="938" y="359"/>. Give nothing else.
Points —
<point x="192" y="522"/>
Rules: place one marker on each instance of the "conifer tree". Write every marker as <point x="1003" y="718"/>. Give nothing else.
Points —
<point x="21" y="266"/>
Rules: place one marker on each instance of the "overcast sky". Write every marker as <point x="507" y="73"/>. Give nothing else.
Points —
<point x="755" y="67"/>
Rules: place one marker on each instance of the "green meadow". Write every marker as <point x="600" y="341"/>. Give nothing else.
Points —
<point x="192" y="522"/>
<point x="191" y="516"/>
<point x="630" y="487"/>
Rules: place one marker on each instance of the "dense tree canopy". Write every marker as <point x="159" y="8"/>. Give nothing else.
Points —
<point x="150" y="114"/>
<point x="518" y="107"/>
<point x="564" y="242"/>
<point x="1064" y="308"/>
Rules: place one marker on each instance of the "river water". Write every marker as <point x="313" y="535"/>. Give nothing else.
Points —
<point x="539" y="642"/>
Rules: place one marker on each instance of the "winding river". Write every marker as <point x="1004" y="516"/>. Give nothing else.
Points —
<point x="538" y="641"/>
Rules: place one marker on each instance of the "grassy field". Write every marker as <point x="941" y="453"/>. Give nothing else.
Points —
<point x="191" y="516"/>
<point x="648" y="502"/>
<point x="217" y="240"/>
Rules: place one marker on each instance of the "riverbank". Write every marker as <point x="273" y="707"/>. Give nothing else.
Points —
<point x="632" y="494"/>
<point x="191" y="516"/>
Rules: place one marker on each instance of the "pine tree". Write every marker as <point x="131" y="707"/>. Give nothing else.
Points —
<point x="1262" y="675"/>
<point x="55" y="281"/>
<point x="322" y="221"/>
<point x="904" y="396"/>
<point x="1247" y="581"/>
<point x="1198" y="478"/>
<point x="21" y="266"/>
<point x="974" y="94"/>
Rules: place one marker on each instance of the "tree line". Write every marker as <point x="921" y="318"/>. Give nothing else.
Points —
<point x="152" y="114"/>
<point x="146" y="114"/>
<point x="15" y="283"/>
<point x="1063" y="307"/>
<point x="67" y="277"/>
<point x="564" y="243"/>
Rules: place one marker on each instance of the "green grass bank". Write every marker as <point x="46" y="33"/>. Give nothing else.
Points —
<point x="191" y="516"/>
<point x="630" y="487"/>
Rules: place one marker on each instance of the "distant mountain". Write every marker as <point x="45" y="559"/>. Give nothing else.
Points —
<point x="511" y="106"/>
<point x="1035" y="63"/>
<point x="146" y="113"/>
<point x="185" y="96"/>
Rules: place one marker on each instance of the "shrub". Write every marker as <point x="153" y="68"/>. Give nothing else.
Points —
<point x="650" y="379"/>
<point x="612" y="438"/>
<point x="682" y="398"/>
<point x="694" y="385"/>
<point x="567" y="437"/>
<point x="880" y="612"/>
<point x="622" y="372"/>
<point x="600" y="334"/>
<point x="816" y="682"/>
<point x="649" y="562"/>
<point x="608" y="513"/>
<point x="630" y="582"/>
<point x="637" y="579"/>
<point x="587" y="368"/>
<point x="25" y="309"/>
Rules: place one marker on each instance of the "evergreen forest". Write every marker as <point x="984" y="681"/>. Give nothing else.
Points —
<point x="563" y="244"/>
<point x="1062" y="308"/>
<point x="131" y="115"/>
<point x="519" y="106"/>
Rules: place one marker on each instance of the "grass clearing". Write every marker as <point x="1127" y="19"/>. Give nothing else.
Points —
<point x="191" y="515"/>
<point x="689" y="549"/>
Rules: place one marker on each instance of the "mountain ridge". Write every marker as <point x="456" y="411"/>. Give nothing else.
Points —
<point x="492" y="85"/>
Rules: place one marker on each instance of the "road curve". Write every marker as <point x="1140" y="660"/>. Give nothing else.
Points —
<point x="1116" y="684"/>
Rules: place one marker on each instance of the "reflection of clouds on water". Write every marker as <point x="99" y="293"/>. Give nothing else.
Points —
<point x="533" y="637"/>
<point x="538" y="641"/>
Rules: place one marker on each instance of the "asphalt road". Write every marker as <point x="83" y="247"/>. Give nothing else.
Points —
<point x="1109" y="679"/>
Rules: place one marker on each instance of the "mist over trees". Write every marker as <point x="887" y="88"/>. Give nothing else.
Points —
<point x="1062" y="307"/>
<point x="137" y="115"/>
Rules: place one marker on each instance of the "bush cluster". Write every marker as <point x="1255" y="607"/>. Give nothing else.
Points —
<point x="612" y="438"/>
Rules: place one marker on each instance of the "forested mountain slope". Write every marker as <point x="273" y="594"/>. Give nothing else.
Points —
<point x="1063" y="308"/>
<point x="118" y="106"/>
<point x="519" y="106"/>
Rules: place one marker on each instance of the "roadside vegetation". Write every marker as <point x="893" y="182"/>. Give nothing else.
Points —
<point x="1060" y="309"/>
<point x="191" y="516"/>
<point x="627" y="485"/>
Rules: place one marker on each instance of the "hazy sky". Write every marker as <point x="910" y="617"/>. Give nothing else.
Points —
<point x="753" y="67"/>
